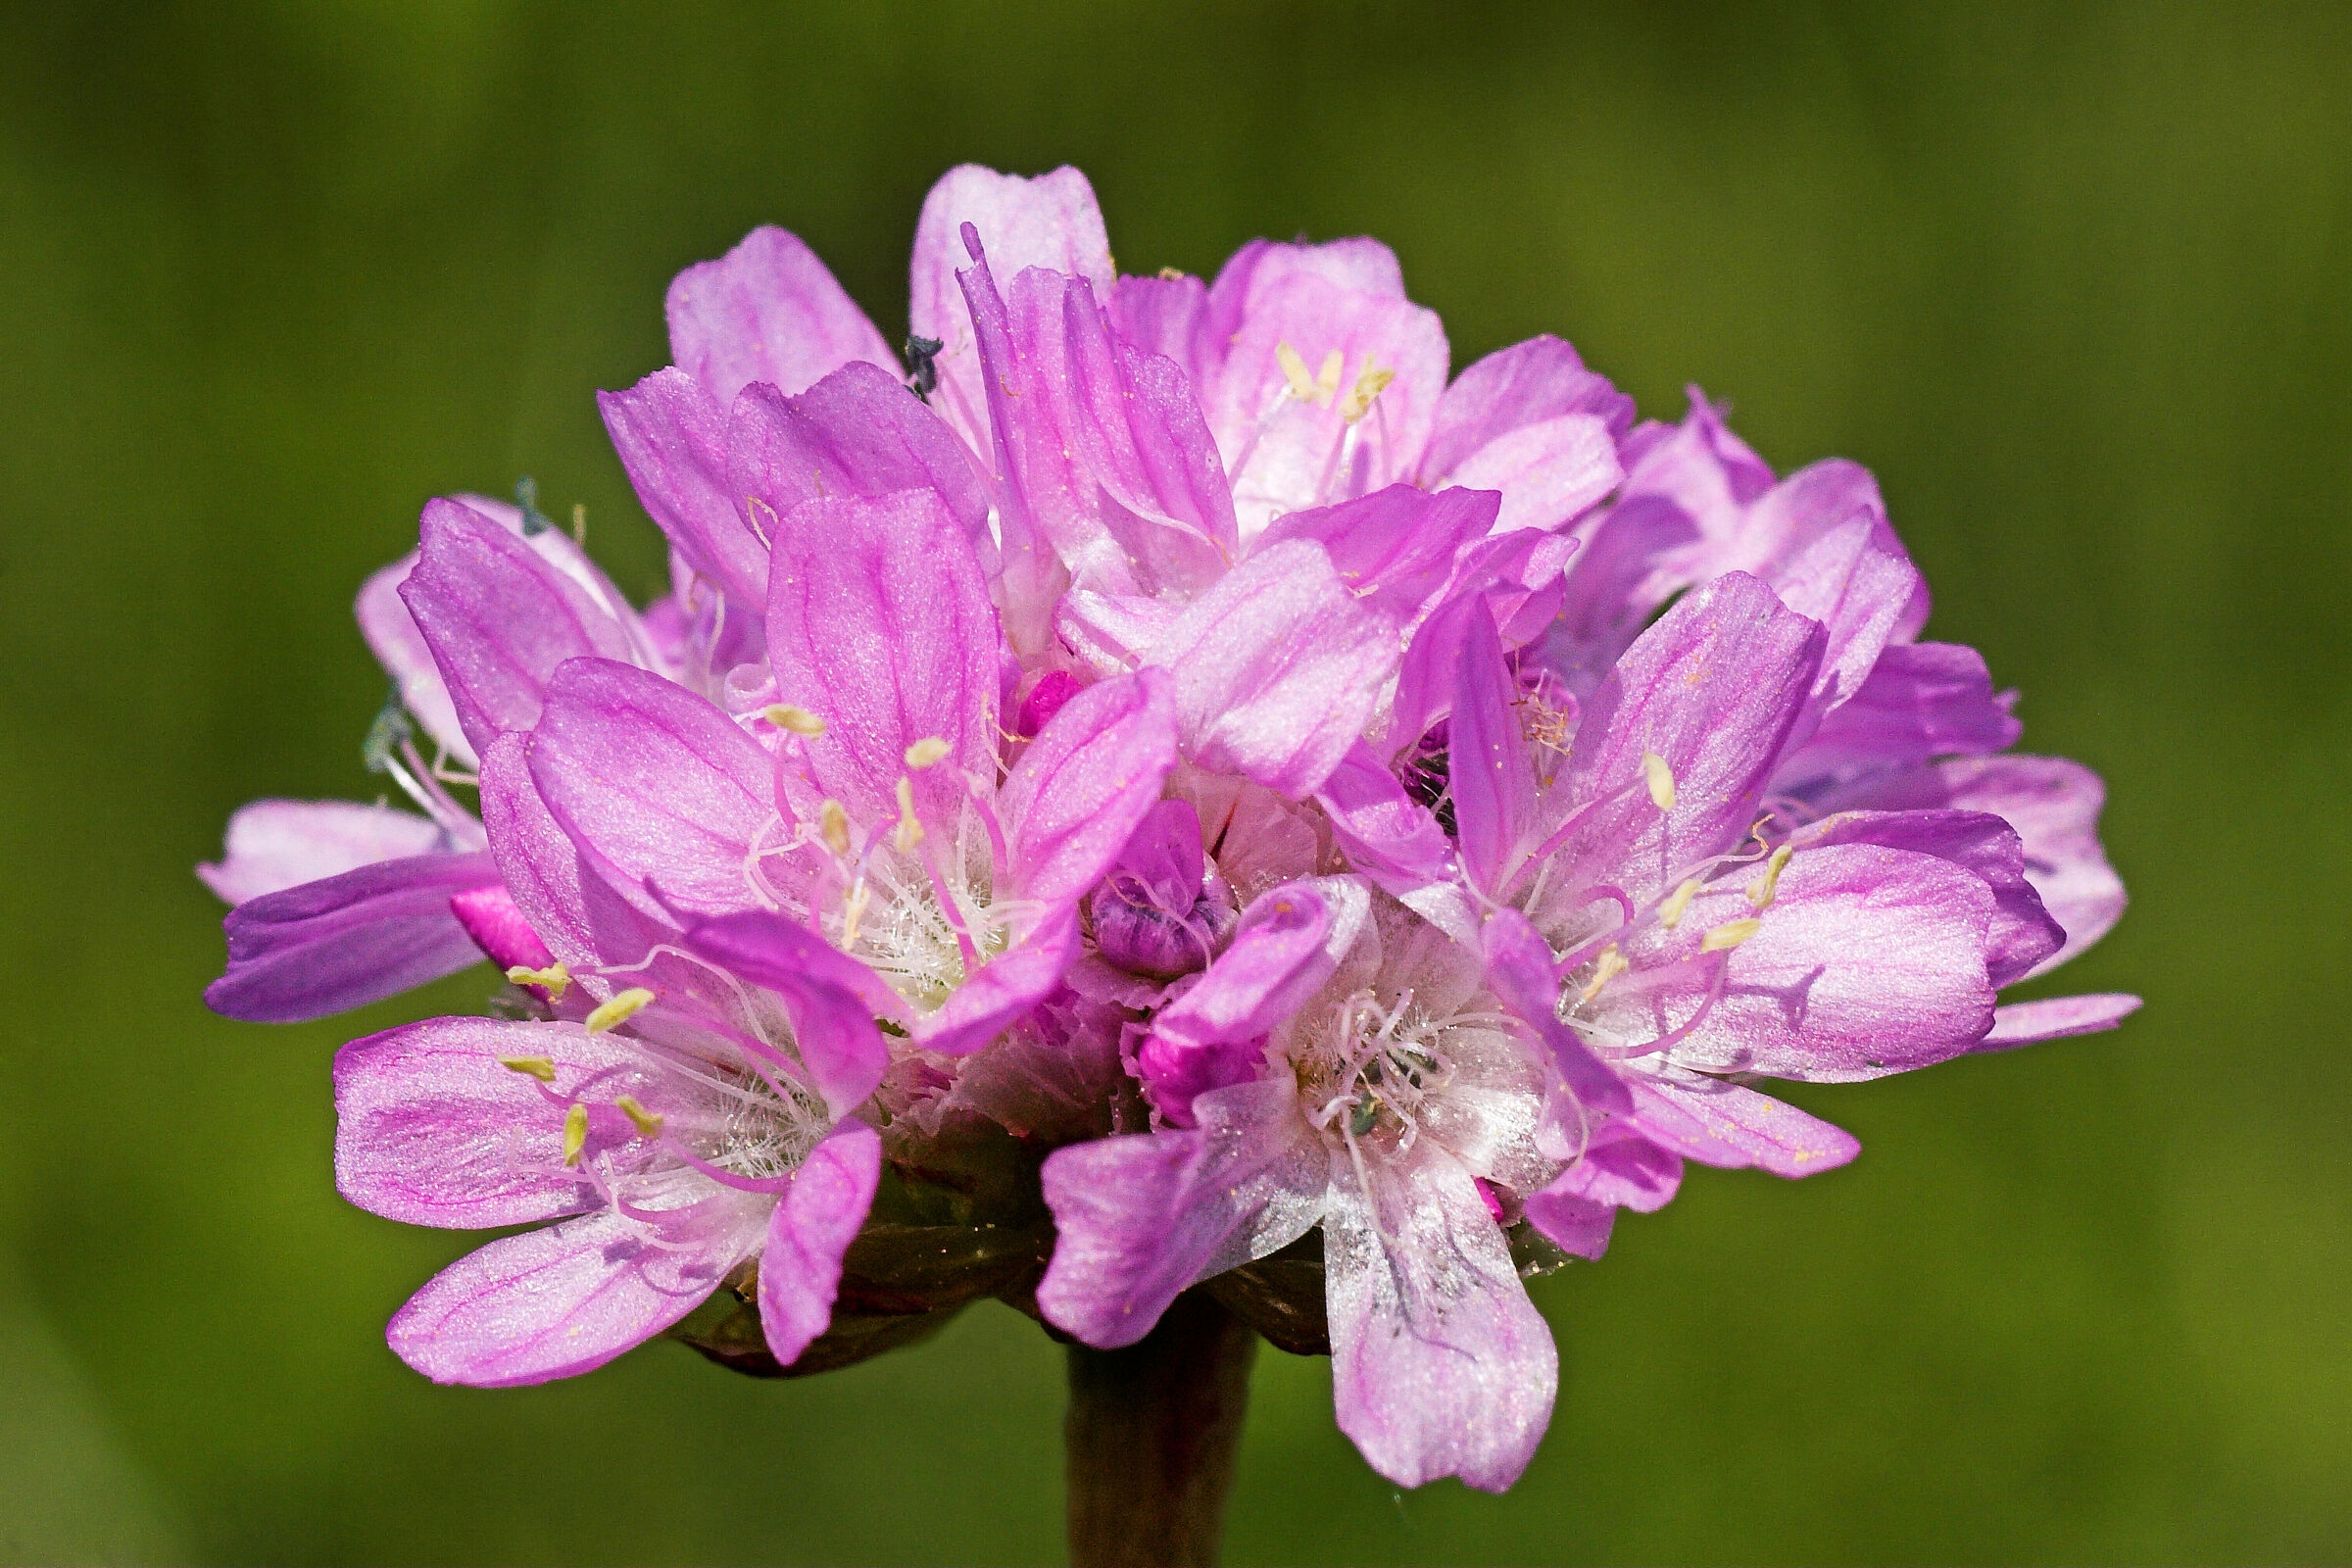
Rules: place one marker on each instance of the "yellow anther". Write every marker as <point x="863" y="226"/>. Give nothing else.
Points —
<point x="649" y="1125"/>
<point x="1670" y="914"/>
<point x="542" y="1068"/>
<point x="579" y="522"/>
<point x="923" y="753"/>
<point x="1764" y="889"/>
<point x="1610" y="965"/>
<point x="1368" y="386"/>
<point x="1293" y="370"/>
<point x="619" y="1010"/>
<point x="833" y="826"/>
<point x="909" y="831"/>
<point x="791" y="716"/>
<point x="1729" y="935"/>
<point x="1661" y="780"/>
<point x="553" y="979"/>
<point x="1327" y="380"/>
<point x="576" y="1133"/>
<point x="853" y="911"/>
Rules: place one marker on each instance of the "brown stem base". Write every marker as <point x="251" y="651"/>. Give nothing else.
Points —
<point x="1152" y="1432"/>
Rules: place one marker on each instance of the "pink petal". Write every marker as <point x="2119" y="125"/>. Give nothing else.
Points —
<point x="1049" y="221"/>
<point x="431" y="1130"/>
<point x="1869" y="961"/>
<point x="499" y="619"/>
<point x="767" y="310"/>
<point x="879" y="623"/>
<point x="1083" y="786"/>
<point x="1439" y="1364"/>
<point x="1528" y="383"/>
<point x="553" y="1303"/>
<point x="812" y="1226"/>
<point x="1277" y="669"/>
<point x="274" y="845"/>
<point x="329" y="946"/>
<point x="653" y="782"/>
<point x="2023" y="1023"/>
<point x="1141" y="1217"/>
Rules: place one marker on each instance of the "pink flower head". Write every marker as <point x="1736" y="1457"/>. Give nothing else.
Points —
<point x="1168" y="791"/>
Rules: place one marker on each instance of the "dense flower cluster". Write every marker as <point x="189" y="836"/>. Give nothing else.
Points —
<point x="1163" y="787"/>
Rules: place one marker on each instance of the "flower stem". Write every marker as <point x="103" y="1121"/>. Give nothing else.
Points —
<point x="1152" y="1432"/>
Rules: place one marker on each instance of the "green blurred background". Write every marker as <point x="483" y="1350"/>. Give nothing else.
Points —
<point x="2076" y="281"/>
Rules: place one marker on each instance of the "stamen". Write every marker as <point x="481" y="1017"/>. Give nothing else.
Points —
<point x="648" y="1124"/>
<point x="542" y="1068"/>
<point x="910" y="831"/>
<point x="1660" y="778"/>
<point x="1327" y="380"/>
<point x="852" y="909"/>
<point x="1293" y="370"/>
<point x="1730" y="935"/>
<point x="833" y="826"/>
<point x="923" y="753"/>
<point x="1764" y="889"/>
<point x="555" y="979"/>
<point x="791" y="716"/>
<point x="753" y="508"/>
<point x="1610" y="965"/>
<point x="619" y="1010"/>
<point x="1368" y="386"/>
<point x="1670" y="914"/>
<point x="576" y="1133"/>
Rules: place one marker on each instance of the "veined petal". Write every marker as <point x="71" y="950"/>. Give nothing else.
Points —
<point x="274" y="845"/>
<point x="659" y="786"/>
<point x="1168" y="316"/>
<point x="1494" y="784"/>
<point x="553" y="1303"/>
<point x="1439" y="1364"/>
<point x="430" y="1129"/>
<point x="670" y="433"/>
<point x="2022" y="934"/>
<point x="767" y="310"/>
<point x="811" y="1227"/>
<point x="1395" y="549"/>
<point x="1920" y="700"/>
<point x="1711" y="690"/>
<point x="1549" y="472"/>
<point x="1869" y="961"/>
<point x="857" y="433"/>
<point x="329" y="946"/>
<point x="2024" y="1023"/>
<point x="1856" y="579"/>
<point x="1528" y="383"/>
<point x="1718" y="1124"/>
<point x="2053" y="803"/>
<point x="1277" y="669"/>
<point x="1048" y="221"/>
<point x="878" y="623"/>
<point x="499" y="619"/>
<point x="1140" y="1218"/>
<point x="1083" y="786"/>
